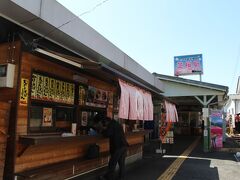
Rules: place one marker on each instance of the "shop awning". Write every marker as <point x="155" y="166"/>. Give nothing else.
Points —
<point x="88" y="65"/>
<point x="74" y="61"/>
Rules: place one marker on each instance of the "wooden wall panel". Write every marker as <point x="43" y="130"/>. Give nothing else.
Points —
<point x="100" y="84"/>
<point x="4" y="119"/>
<point x="40" y="155"/>
<point x="135" y="140"/>
<point x="30" y="63"/>
<point x="9" y="94"/>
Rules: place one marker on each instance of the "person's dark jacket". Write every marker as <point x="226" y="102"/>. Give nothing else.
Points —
<point x="117" y="139"/>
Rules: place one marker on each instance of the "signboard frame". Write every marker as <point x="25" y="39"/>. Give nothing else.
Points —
<point x="188" y="65"/>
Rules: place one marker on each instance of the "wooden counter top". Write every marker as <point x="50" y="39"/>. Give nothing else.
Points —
<point x="45" y="139"/>
<point x="140" y="132"/>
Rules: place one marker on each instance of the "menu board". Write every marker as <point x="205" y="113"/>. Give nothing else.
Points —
<point x="58" y="91"/>
<point x="97" y="97"/>
<point x="34" y="86"/>
<point x="63" y="97"/>
<point x="82" y="95"/>
<point x="72" y="88"/>
<point x="46" y="88"/>
<point x="50" y="89"/>
<point x="39" y="87"/>
<point x="67" y="92"/>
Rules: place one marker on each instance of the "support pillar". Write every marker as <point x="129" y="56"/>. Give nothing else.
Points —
<point x="206" y="131"/>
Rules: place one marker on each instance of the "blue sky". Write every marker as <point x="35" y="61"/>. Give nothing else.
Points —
<point x="152" y="32"/>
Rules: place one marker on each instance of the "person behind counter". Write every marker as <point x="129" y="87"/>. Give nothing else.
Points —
<point x="117" y="142"/>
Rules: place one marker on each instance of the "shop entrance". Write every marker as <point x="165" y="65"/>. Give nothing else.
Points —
<point x="189" y="123"/>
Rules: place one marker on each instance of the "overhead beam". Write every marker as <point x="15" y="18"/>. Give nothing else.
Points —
<point x="205" y="102"/>
<point x="211" y="99"/>
<point x="199" y="100"/>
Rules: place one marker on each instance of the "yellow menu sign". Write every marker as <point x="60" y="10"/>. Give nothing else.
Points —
<point x="24" y="92"/>
<point x="51" y="89"/>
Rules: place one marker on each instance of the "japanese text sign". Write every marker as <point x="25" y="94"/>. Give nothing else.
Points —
<point x="187" y="65"/>
<point x="24" y="92"/>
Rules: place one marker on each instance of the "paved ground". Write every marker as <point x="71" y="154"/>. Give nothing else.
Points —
<point x="212" y="166"/>
<point x="191" y="165"/>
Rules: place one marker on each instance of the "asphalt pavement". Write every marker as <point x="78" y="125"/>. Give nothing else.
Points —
<point x="213" y="165"/>
<point x="198" y="165"/>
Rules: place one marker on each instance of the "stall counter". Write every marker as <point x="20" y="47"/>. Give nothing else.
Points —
<point x="57" y="149"/>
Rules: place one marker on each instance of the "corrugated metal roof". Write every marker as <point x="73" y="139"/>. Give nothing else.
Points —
<point x="45" y="18"/>
<point x="192" y="82"/>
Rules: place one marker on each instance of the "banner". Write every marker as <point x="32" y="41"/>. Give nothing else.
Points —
<point x="216" y="129"/>
<point x="24" y="92"/>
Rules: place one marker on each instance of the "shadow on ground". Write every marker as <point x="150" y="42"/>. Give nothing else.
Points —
<point x="199" y="165"/>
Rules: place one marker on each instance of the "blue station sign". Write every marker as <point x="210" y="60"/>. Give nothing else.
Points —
<point x="188" y="65"/>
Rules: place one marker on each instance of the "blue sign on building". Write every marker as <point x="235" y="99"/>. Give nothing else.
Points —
<point x="188" y="65"/>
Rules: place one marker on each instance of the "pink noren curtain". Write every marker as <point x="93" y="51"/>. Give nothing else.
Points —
<point x="135" y="103"/>
<point x="171" y="112"/>
<point x="124" y="101"/>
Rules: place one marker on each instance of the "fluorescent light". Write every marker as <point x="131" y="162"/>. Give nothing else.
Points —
<point x="60" y="58"/>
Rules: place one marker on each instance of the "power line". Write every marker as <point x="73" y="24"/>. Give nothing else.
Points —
<point x="82" y="14"/>
<point x="93" y="9"/>
<point x="236" y="65"/>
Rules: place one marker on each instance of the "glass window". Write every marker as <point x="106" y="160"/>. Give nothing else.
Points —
<point x="3" y="70"/>
<point x="64" y="119"/>
<point x="50" y="119"/>
<point x="36" y="115"/>
<point x="42" y="119"/>
<point x="64" y="114"/>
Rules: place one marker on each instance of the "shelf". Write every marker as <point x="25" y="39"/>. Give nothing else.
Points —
<point x="50" y="103"/>
<point x="49" y="139"/>
<point x="93" y="108"/>
<point x="140" y="132"/>
<point x="31" y="140"/>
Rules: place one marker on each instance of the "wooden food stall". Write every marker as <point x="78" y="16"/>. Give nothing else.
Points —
<point x="55" y="102"/>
